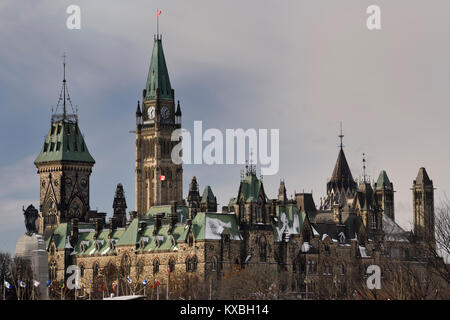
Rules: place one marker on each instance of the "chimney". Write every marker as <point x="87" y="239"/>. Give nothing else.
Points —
<point x="173" y="216"/>
<point x="112" y="225"/>
<point x="158" y="220"/>
<point x="142" y="226"/>
<point x="74" y="232"/>
<point x="98" y="227"/>
<point x="133" y="215"/>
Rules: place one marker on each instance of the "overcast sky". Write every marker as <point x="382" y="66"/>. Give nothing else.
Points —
<point x="297" y="66"/>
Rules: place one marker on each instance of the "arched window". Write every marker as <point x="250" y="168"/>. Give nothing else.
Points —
<point x="259" y="212"/>
<point x="213" y="264"/>
<point x="95" y="270"/>
<point x="81" y="270"/>
<point x="155" y="266"/>
<point x="342" y="269"/>
<point x="172" y="265"/>
<point x="53" y="270"/>
<point x="194" y="264"/>
<point x="140" y="267"/>
<point x="188" y="264"/>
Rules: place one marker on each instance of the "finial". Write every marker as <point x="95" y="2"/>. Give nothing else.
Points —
<point x="341" y="136"/>
<point x="158" y="13"/>
<point x="364" y="167"/>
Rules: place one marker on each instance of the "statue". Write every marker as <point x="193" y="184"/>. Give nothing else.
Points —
<point x="31" y="215"/>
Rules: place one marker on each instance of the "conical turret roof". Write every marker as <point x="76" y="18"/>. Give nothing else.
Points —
<point x="158" y="75"/>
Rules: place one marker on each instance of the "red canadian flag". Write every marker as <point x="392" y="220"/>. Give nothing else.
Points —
<point x="158" y="12"/>
<point x="162" y="178"/>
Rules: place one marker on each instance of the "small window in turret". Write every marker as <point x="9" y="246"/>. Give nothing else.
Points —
<point x="82" y="147"/>
<point x="58" y="146"/>
<point x="68" y="147"/>
<point x="75" y="146"/>
<point x="59" y="130"/>
<point x="52" y="130"/>
<point x="45" y="147"/>
<point x="52" y="146"/>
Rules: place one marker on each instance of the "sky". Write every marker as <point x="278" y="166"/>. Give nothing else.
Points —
<point x="297" y="66"/>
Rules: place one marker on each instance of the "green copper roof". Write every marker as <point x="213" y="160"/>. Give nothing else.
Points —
<point x="130" y="236"/>
<point x="289" y="220"/>
<point x="158" y="75"/>
<point x="383" y="181"/>
<point x="210" y="226"/>
<point x="182" y="211"/>
<point x="251" y="187"/>
<point x="64" y="142"/>
<point x="208" y="195"/>
<point x="59" y="236"/>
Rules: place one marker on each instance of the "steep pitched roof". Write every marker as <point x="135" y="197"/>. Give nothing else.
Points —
<point x="158" y="75"/>
<point x="341" y="170"/>
<point x="383" y="181"/>
<point x="209" y="226"/>
<point x="422" y="177"/>
<point x="289" y="220"/>
<point x="64" y="142"/>
<point x="208" y="195"/>
<point x="251" y="187"/>
<point x="130" y="236"/>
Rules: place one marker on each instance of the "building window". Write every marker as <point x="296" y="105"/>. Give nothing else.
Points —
<point x="140" y="267"/>
<point x="53" y="270"/>
<point x="95" y="270"/>
<point x="213" y="264"/>
<point x="155" y="266"/>
<point x="81" y="270"/>
<point x="308" y="267"/>
<point x="172" y="265"/>
<point x="342" y="269"/>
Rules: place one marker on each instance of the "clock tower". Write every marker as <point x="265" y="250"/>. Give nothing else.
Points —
<point x="158" y="180"/>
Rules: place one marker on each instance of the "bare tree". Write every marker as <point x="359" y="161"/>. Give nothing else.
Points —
<point x="5" y="273"/>
<point x="22" y="273"/>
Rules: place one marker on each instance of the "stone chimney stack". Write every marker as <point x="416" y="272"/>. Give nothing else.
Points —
<point x="158" y="220"/>
<point x="173" y="217"/>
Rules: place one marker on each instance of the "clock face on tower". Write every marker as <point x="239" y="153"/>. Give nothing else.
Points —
<point x="165" y="112"/>
<point x="151" y="113"/>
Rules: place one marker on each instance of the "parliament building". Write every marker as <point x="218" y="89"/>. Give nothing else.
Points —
<point x="176" y="233"/>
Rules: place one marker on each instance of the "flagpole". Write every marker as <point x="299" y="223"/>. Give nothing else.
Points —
<point x="157" y="24"/>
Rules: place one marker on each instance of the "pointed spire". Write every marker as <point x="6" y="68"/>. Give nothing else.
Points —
<point x="178" y="112"/>
<point x="422" y="177"/>
<point x="342" y="176"/>
<point x="158" y="82"/>
<point x="383" y="181"/>
<point x="138" y="109"/>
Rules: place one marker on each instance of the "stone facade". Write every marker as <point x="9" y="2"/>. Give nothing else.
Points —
<point x="352" y="227"/>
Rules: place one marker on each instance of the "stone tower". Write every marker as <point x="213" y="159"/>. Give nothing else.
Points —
<point x="158" y="179"/>
<point x="423" y="201"/>
<point x="193" y="198"/>
<point x="384" y="193"/>
<point x="64" y="166"/>
<point x="120" y="207"/>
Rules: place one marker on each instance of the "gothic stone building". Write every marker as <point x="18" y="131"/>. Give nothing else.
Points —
<point x="353" y="226"/>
